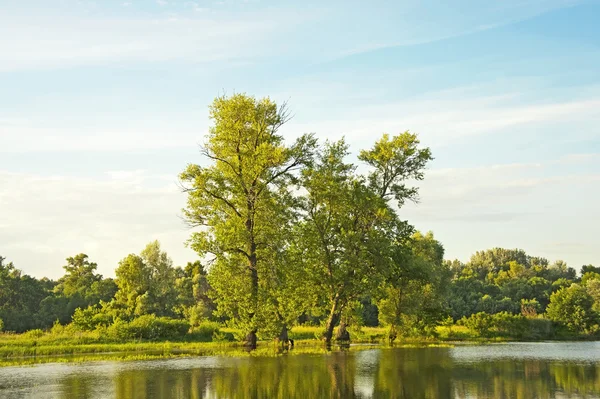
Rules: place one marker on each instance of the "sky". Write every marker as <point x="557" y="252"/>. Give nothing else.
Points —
<point x="103" y="103"/>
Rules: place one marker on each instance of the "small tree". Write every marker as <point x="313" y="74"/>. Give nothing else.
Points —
<point x="572" y="307"/>
<point x="530" y="307"/>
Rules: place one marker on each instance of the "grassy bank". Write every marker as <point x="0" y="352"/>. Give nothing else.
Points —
<point x="65" y="344"/>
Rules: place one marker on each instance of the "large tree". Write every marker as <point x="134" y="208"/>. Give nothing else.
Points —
<point x="350" y="226"/>
<point x="236" y="200"/>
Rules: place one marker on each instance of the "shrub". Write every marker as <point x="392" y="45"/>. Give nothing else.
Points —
<point x="205" y="331"/>
<point x="478" y="322"/>
<point x="118" y="330"/>
<point x="221" y="336"/>
<point x="1" y="325"/>
<point x="196" y="314"/>
<point x="37" y="333"/>
<point x="91" y="318"/>
<point x="152" y="327"/>
<point x="572" y="307"/>
<point x="506" y="324"/>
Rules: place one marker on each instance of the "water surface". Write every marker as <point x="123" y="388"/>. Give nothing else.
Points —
<point x="514" y="370"/>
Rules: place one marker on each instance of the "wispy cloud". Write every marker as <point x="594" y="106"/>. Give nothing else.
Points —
<point x="47" y="219"/>
<point x="440" y="121"/>
<point x="41" y="42"/>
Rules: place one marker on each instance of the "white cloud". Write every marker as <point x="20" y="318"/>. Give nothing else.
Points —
<point x="46" y="139"/>
<point x="524" y="205"/>
<point x="440" y="120"/>
<point x="67" y="39"/>
<point x="41" y="42"/>
<point x="46" y="219"/>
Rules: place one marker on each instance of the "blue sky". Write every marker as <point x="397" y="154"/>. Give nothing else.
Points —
<point x="103" y="103"/>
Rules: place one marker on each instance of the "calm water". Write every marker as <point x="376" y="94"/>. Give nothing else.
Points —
<point x="516" y="370"/>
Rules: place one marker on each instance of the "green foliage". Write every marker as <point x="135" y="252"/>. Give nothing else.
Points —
<point x="500" y="280"/>
<point x="293" y="233"/>
<point x="208" y="331"/>
<point x="79" y="277"/>
<point x="149" y="327"/>
<point x="92" y="317"/>
<point x="573" y="308"/>
<point x="146" y="283"/>
<point x="508" y="325"/>
<point x="480" y="322"/>
<point x="242" y="199"/>
<point x="413" y="299"/>
<point x="350" y="230"/>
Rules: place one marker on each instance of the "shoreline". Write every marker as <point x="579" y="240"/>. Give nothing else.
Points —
<point x="22" y="355"/>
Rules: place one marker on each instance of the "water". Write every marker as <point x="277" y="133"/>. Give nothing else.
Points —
<point x="515" y="370"/>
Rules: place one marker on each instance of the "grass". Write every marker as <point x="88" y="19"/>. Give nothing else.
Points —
<point x="63" y="344"/>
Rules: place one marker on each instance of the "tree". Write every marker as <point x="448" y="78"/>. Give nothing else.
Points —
<point x="413" y="296"/>
<point x="236" y="198"/>
<point x="349" y="228"/>
<point x="79" y="277"/>
<point x="20" y="297"/>
<point x="591" y="282"/>
<point x="572" y="307"/>
<point x="589" y="269"/>
<point x="147" y="283"/>
<point x="193" y="292"/>
<point x="162" y="292"/>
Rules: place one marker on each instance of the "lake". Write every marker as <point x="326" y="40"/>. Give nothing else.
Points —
<point x="512" y="370"/>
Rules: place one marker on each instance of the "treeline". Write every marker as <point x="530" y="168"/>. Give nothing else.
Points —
<point x="146" y="284"/>
<point x="295" y="233"/>
<point x="499" y="292"/>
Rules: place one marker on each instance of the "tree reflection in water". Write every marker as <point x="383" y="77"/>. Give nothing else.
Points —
<point x="376" y="373"/>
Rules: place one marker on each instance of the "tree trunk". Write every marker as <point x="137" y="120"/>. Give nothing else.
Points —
<point x="331" y="321"/>
<point x="250" y="341"/>
<point x="392" y="334"/>
<point x="342" y="336"/>
<point x="283" y="336"/>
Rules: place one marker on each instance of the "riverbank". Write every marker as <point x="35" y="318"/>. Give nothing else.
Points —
<point x="66" y="345"/>
<point x="63" y="344"/>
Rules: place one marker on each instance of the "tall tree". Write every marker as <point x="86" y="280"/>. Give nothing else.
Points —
<point x="234" y="198"/>
<point x="350" y="226"/>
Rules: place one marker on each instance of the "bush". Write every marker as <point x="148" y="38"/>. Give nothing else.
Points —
<point x="206" y="331"/>
<point x="480" y="323"/>
<point x="221" y="336"/>
<point x="118" y="330"/>
<point x="91" y="318"/>
<point x="37" y="333"/>
<point x="149" y="327"/>
<point x="197" y="314"/>
<point x="572" y="307"/>
<point x="508" y="325"/>
<point x="152" y="327"/>
<point x="1" y="325"/>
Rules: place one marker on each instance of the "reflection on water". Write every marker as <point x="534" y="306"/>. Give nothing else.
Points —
<point x="541" y="370"/>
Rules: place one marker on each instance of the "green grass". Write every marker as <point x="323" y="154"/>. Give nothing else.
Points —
<point x="63" y="344"/>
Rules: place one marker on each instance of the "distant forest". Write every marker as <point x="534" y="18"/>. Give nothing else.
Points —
<point x="292" y="234"/>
